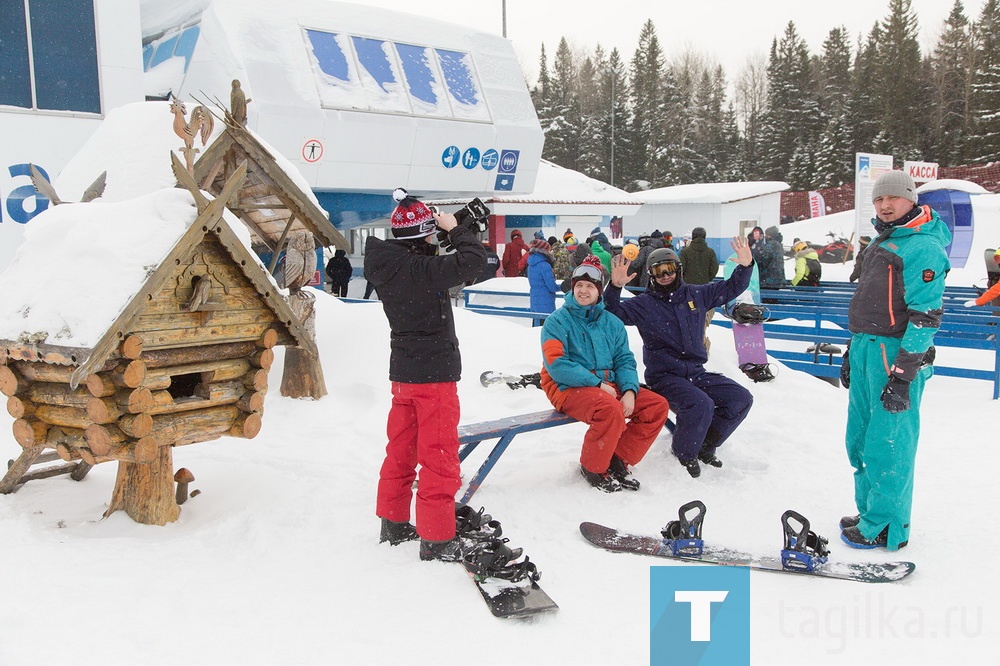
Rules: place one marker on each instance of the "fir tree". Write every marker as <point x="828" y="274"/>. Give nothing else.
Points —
<point x="951" y="76"/>
<point x="902" y="91"/>
<point x="984" y="142"/>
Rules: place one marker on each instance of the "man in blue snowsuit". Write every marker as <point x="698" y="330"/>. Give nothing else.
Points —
<point x="893" y="317"/>
<point x="670" y="316"/>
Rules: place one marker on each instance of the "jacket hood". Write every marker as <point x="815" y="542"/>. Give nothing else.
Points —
<point x="808" y="253"/>
<point x="698" y="243"/>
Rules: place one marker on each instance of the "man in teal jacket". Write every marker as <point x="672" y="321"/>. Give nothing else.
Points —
<point x="589" y="373"/>
<point x="893" y="317"/>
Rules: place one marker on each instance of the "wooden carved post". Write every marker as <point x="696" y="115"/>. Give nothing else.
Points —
<point x="146" y="491"/>
<point x="302" y="376"/>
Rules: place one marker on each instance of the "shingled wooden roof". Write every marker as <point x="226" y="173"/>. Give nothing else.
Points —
<point x="269" y="198"/>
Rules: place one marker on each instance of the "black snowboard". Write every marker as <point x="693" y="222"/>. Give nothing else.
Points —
<point x="521" y="599"/>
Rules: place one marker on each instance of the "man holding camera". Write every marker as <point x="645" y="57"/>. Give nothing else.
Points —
<point x="424" y="368"/>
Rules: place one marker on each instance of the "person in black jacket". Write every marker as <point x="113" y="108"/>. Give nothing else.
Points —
<point x="339" y="270"/>
<point x="424" y="368"/>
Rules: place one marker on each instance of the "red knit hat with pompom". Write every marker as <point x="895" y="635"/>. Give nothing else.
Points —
<point x="412" y="218"/>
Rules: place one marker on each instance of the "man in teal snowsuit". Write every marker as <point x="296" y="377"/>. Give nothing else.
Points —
<point x="893" y="317"/>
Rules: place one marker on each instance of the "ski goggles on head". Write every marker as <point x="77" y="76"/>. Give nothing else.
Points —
<point x="665" y="268"/>
<point x="588" y="273"/>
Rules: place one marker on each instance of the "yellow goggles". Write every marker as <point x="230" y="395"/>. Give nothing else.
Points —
<point x="666" y="268"/>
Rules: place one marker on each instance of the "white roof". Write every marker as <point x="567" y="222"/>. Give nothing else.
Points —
<point x="710" y="193"/>
<point x="561" y="191"/>
<point x="952" y="184"/>
<point x="80" y="265"/>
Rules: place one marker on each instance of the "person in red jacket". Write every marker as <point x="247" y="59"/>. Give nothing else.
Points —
<point x="512" y="254"/>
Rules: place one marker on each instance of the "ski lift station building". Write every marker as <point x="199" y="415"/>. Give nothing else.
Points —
<point x="724" y="210"/>
<point x="361" y="100"/>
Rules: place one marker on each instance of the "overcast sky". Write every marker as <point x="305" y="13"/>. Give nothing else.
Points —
<point x="728" y="31"/>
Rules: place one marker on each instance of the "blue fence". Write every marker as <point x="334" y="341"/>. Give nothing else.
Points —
<point x="818" y="315"/>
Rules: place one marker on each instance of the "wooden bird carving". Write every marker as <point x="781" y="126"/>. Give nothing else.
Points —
<point x="201" y="125"/>
<point x="238" y="103"/>
<point x="300" y="260"/>
<point x="44" y="187"/>
<point x="202" y="292"/>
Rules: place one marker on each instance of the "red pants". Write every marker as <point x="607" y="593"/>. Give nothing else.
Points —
<point x="422" y="430"/>
<point x="609" y="434"/>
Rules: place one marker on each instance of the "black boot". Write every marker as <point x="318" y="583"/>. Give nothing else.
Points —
<point x="396" y="533"/>
<point x="605" y="482"/>
<point x="620" y="471"/>
<point x="850" y="521"/>
<point x="444" y="551"/>
<point x="692" y="467"/>
<point x="707" y="456"/>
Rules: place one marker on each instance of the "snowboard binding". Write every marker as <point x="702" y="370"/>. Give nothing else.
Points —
<point x="495" y="559"/>
<point x="489" y="378"/>
<point x="748" y="314"/>
<point x="758" y="372"/>
<point x="683" y="536"/>
<point x="804" y="549"/>
<point x="476" y="525"/>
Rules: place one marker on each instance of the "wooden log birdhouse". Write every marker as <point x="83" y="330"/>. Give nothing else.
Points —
<point x="161" y="337"/>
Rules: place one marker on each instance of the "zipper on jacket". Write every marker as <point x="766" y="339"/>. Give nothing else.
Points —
<point x="892" y="315"/>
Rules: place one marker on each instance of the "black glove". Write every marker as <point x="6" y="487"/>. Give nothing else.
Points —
<point x="845" y="370"/>
<point x="896" y="395"/>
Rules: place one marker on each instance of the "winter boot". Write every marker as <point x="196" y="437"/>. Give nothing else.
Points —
<point x="605" y="482"/>
<point x="397" y="533"/>
<point x="445" y="551"/>
<point x="850" y="521"/>
<point x="619" y="470"/>
<point x="692" y="467"/>
<point x="707" y="456"/>
<point x="852" y="537"/>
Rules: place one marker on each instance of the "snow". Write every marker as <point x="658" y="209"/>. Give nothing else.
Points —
<point x="277" y="560"/>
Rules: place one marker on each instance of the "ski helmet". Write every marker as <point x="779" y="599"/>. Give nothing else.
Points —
<point x="662" y="255"/>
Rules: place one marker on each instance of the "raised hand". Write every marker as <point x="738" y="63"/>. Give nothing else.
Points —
<point x="743" y="255"/>
<point x="619" y="271"/>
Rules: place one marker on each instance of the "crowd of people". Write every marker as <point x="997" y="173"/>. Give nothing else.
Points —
<point x="589" y="371"/>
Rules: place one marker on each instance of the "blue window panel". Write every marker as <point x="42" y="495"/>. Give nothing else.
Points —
<point x="147" y="56"/>
<point x="64" y="51"/>
<point x="185" y="45"/>
<point x="15" y="75"/>
<point x="374" y="60"/>
<point x="420" y="78"/>
<point x="460" y="79"/>
<point x="955" y="210"/>
<point x="329" y="55"/>
<point x="164" y="51"/>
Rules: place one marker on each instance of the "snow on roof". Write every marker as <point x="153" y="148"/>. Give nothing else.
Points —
<point x="561" y="191"/>
<point x="80" y="265"/>
<point x="710" y="193"/>
<point x="952" y="184"/>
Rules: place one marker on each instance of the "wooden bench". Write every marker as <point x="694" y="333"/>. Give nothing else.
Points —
<point x="504" y="430"/>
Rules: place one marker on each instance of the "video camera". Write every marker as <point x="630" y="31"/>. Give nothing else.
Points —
<point x="474" y="216"/>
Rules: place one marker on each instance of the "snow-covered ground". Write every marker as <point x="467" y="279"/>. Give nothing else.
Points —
<point x="277" y="561"/>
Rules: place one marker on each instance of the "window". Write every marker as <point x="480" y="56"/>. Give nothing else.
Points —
<point x="175" y="43"/>
<point x="376" y="75"/>
<point x="48" y="55"/>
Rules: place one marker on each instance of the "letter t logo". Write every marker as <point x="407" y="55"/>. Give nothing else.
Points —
<point x="701" y="611"/>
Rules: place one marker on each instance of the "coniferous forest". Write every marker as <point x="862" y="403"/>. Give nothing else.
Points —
<point x="653" y="121"/>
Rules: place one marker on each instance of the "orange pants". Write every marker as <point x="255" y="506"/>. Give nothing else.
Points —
<point x="609" y="433"/>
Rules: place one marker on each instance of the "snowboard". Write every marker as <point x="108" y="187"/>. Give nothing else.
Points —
<point x="514" y="600"/>
<point x="514" y="382"/>
<point x="751" y="351"/>
<point x="623" y="542"/>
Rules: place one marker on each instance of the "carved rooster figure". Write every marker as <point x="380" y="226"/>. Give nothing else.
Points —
<point x="201" y="124"/>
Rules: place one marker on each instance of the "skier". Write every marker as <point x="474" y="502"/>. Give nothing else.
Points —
<point x="424" y="368"/>
<point x="588" y="372"/>
<point x="512" y="254"/>
<point x="339" y="270"/>
<point x="893" y="316"/>
<point x="699" y="265"/>
<point x="808" y="270"/>
<point x="541" y="281"/>
<point x="770" y="258"/>
<point x="670" y="316"/>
